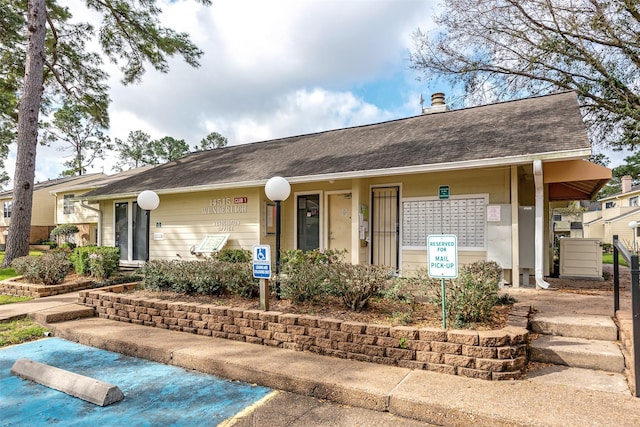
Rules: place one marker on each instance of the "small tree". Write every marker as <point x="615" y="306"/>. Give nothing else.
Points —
<point x="65" y="231"/>
<point x="212" y="141"/>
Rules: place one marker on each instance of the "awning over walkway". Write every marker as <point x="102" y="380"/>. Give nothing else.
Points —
<point x="574" y="179"/>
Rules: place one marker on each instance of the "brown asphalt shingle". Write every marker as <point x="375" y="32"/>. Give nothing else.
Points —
<point x="543" y="124"/>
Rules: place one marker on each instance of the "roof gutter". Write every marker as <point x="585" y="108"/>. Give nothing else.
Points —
<point x="371" y="173"/>
<point x="539" y="225"/>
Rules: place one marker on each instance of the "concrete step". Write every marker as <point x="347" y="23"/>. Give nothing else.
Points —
<point x="577" y="326"/>
<point x="580" y="378"/>
<point x="62" y="313"/>
<point x="577" y="352"/>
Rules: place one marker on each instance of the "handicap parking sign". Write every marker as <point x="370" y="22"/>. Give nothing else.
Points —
<point x="262" y="262"/>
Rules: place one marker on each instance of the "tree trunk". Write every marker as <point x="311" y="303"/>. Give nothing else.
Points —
<point x="20" y="226"/>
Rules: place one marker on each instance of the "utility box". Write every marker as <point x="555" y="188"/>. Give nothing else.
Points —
<point x="580" y="258"/>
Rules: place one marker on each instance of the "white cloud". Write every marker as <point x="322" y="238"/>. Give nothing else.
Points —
<point x="271" y="69"/>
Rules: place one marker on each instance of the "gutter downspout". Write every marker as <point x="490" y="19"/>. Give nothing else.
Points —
<point x="82" y="203"/>
<point x="539" y="225"/>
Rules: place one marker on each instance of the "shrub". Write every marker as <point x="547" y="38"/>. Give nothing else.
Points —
<point x="356" y="284"/>
<point x="473" y="294"/>
<point x="238" y="278"/>
<point x="234" y="255"/>
<point x="305" y="276"/>
<point x="65" y="231"/>
<point x="203" y="277"/>
<point x="50" y="269"/>
<point x="302" y="281"/>
<point x="96" y="261"/>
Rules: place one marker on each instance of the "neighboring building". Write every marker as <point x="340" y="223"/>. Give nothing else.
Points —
<point x="614" y="216"/>
<point x="68" y="209"/>
<point x="567" y="222"/>
<point x="486" y="174"/>
<point x="43" y="207"/>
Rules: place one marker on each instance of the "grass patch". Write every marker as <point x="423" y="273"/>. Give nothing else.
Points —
<point x="7" y="273"/>
<point x="20" y="331"/>
<point x="608" y="259"/>
<point x="10" y="299"/>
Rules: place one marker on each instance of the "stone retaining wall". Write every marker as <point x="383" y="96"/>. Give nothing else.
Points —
<point x="625" y="326"/>
<point x="21" y="289"/>
<point x="489" y="355"/>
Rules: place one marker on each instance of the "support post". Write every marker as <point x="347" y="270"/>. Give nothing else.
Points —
<point x="616" y="276"/>
<point x="264" y="294"/>
<point x="635" y="314"/>
<point x="278" y="220"/>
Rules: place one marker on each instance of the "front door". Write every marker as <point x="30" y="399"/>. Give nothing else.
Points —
<point x="308" y="222"/>
<point x="385" y="227"/>
<point x="131" y="233"/>
<point x="339" y="222"/>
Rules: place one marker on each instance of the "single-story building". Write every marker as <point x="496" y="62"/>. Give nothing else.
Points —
<point x="484" y="174"/>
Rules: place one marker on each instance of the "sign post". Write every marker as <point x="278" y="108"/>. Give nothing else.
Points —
<point x="262" y="271"/>
<point x="442" y="251"/>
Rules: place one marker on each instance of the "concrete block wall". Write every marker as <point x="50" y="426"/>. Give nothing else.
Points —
<point x="16" y="288"/>
<point x="490" y="355"/>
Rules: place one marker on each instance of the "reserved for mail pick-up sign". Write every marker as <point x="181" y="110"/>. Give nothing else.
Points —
<point x="442" y="251"/>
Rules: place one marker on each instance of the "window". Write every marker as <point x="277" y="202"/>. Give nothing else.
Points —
<point x="633" y="201"/>
<point x="7" y="209"/>
<point x="68" y="207"/>
<point x="557" y="217"/>
<point x="609" y="205"/>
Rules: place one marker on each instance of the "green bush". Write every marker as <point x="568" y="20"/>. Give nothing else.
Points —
<point x="355" y="284"/>
<point x="238" y="278"/>
<point x="80" y="260"/>
<point x="473" y="294"/>
<point x="305" y="276"/>
<point x="203" y="277"/>
<point x="234" y="255"/>
<point x="302" y="281"/>
<point x="65" y="231"/>
<point x="96" y="261"/>
<point x="50" y="269"/>
<point x="47" y="242"/>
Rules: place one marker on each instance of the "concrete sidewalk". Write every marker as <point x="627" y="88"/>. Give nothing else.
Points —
<point x="22" y="309"/>
<point x="427" y="396"/>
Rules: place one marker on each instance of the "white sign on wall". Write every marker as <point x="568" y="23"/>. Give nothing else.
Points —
<point x="442" y="250"/>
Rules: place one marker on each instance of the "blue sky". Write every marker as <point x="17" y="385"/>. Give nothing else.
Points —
<point x="271" y="69"/>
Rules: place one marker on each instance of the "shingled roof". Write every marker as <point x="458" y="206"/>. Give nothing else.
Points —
<point x="494" y="134"/>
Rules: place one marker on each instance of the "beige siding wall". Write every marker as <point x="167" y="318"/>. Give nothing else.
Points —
<point x="184" y="219"/>
<point x="80" y="214"/>
<point x="187" y="218"/>
<point x="44" y="206"/>
<point x="621" y="228"/>
<point x="413" y="260"/>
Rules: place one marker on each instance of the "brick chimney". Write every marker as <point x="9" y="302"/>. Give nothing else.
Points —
<point x="626" y="183"/>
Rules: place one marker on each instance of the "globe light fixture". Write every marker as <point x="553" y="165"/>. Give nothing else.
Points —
<point x="277" y="190"/>
<point x="148" y="200"/>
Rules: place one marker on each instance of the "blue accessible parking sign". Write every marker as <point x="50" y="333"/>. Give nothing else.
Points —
<point x="262" y="262"/>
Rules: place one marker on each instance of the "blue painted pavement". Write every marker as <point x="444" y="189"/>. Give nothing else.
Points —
<point x="155" y="394"/>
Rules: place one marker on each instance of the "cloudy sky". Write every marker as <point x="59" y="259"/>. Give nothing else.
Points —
<point x="271" y="69"/>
